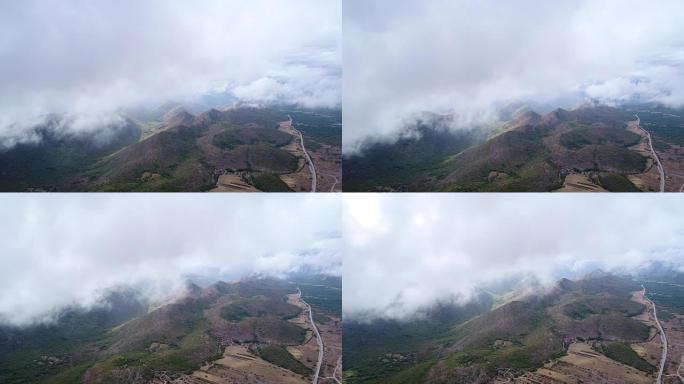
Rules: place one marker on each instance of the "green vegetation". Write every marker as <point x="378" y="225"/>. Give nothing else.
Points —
<point x="233" y="136"/>
<point x="527" y="154"/>
<point x="617" y="183"/>
<point x="411" y="375"/>
<point x="522" y="163"/>
<point x="273" y="329"/>
<point x="279" y="356"/>
<point x="322" y="292"/>
<point x="665" y="125"/>
<point x="269" y="182"/>
<point x="623" y="353"/>
<point x="666" y="294"/>
<point x="57" y="159"/>
<point x="243" y="308"/>
<point x="592" y="305"/>
<point x="170" y="157"/>
<point x="69" y="376"/>
<point x="399" y="165"/>
<point x="318" y="125"/>
<point x="124" y="342"/>
<point x="597" y="135"/>
<point x="266" y="158"/>
<point x="519" y="335"/>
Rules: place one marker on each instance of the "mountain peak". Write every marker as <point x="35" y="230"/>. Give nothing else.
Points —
<point x="178" y="117"/>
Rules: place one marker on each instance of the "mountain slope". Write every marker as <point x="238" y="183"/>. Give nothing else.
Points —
<point x="529" y="153"/>
<point x="125" y="343"/>
<point x="514" y="338"/>
<point x="58" y="155"/>
<point x="403" y="165"/>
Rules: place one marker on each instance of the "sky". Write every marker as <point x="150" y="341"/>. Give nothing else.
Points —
<point x="404" y="253"/>
<point x="91" y="58"/>
<point x="471" y="58"/>
<point x="59" y="250"/>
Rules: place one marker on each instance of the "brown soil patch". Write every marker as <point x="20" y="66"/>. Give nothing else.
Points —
<point x="233" y="183"/>
<point x="579" y="182"/>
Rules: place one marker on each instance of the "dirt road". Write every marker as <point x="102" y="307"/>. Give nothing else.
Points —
<point x="655" y="155"/>
<point x="312" y="168"/>
<point x="318" y="338"/>
<point x="663" y="337"/>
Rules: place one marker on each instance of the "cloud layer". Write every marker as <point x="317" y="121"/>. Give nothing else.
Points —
<point x="403" y="253"/>
<point x="96" y="57"/>
<point x="473" y="57"/>
<point x="58" y="250"/>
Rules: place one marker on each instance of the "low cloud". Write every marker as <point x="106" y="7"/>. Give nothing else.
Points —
<point x="473" y="58"/>
<point x="405" y="253"/>
<point x="61" y="250"/>
<point x="83" y="57"/>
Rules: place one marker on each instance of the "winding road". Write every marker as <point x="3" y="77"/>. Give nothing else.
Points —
<point x="318" y="338"/>
<point x="663" y="359"/>
<point x="655" y="156"/>
<point x="306" y="154"/>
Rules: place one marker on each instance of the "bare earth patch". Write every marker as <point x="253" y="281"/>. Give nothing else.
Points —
<point x="233" y="183"/>
<point x="579" y="182"/>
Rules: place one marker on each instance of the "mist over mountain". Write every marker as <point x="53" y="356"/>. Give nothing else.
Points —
<point x="406" y="253"/>
<point x="475" y="59"/>
<point x="62" y="251"/>
<point x="95" y="60"/>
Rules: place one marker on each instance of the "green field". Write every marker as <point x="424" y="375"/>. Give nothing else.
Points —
<point x="324" y="292"/>
<point x="318" y="125"/>
<point x="279" y="356"/>
<point x="623" y="353"/>
<point x="666" y="125"/>
<point x="666" y="294"/>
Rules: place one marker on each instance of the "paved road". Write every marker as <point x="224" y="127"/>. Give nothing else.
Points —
<point x="660" y="166"/>
<point x="318" y="338"/>
<point x="663" y="359"/>
<point x="306" y="154"/>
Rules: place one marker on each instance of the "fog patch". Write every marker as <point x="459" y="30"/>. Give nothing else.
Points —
<point x="70" y="250"/>
<point x="475" y="58"/>
<point x="404" y="253"/>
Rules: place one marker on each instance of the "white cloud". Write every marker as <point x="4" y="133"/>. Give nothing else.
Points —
<point x="473" y="57"/>
<point x="80" y="56"/>
<point x="403" y="253"/>
<point x="58" y="250"/>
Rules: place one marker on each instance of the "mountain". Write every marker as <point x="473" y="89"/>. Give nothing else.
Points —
<point x="238" y="149"/>
<point x="585" y="330"/>
<point x="58" y="154"/>
<point x="402" y="165"/>
<point x="203" y="333"/>
<point x="590" y="148"/>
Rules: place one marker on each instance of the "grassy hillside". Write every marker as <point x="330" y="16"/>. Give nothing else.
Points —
<point x="125" y="343"/>
<point x="519" y="335"/>
<point x="178" y="152"/>
<point x="529" y="153"/>
<point x="55" y="160"/>
<point x="402" y="164"/>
